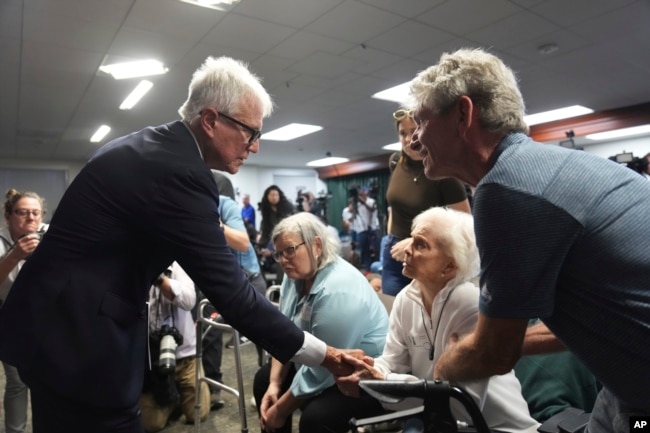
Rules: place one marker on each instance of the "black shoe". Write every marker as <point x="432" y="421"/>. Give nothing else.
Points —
<point x="216" y="402"/>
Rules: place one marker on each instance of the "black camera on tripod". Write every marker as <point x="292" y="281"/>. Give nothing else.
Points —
<point x="169" y="338"/>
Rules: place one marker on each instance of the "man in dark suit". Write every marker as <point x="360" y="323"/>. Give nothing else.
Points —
<point x="75" y="322"/>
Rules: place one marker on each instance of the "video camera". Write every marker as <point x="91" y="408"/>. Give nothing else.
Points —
<point x="640" y="165"/>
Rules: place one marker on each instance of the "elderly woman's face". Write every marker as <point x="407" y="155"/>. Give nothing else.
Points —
<point x="25" y="217"/>
<point x="425" y="260"/>
<point x="294" y="257"/>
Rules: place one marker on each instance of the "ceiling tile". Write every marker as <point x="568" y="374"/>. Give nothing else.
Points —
<point x="354" y="22"/>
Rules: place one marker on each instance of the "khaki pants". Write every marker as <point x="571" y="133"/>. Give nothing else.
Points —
<point x="155" y="417"/>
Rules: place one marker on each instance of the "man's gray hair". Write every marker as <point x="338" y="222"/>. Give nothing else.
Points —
<point x="223" y="83"/>
<point x="453" y="232"/>
<point x="308" y="226"/>
<point x="484" y="78"/>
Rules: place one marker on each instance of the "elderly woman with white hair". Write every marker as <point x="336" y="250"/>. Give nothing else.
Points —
<point x="328" y="297"/>
<point x="440" y="303"/>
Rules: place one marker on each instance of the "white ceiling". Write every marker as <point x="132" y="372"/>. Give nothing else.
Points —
<point x="320" y="59"/>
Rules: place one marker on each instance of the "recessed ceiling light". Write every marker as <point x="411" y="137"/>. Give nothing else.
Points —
<point x="324" y="162"/>
<point x="139" y="68"/>
<point x="560" y="113"/>
<point x="618" y="133"/>
<point x="291" y="131"/>
<point x="397" y="93"/>
<point x="137" y="94"/>
<point x="100" y="133"/>
<point x="393" y="146"/>
<point x="211" y="4"/>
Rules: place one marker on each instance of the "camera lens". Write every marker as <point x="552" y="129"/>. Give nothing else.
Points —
<point x="167" y="360"/>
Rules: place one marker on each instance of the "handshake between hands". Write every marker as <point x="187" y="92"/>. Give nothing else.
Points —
<point x="349" y="366"/>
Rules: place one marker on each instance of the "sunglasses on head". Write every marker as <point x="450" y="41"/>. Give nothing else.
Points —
<point x="402" y="114"/>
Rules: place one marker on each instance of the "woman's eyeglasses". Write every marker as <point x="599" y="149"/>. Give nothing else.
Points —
<point x="401" y="114"/>
<point x="287" y="253"/>
<point x="25" y="212"/>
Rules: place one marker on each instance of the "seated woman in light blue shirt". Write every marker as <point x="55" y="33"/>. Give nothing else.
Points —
<point x="326" y="296"/>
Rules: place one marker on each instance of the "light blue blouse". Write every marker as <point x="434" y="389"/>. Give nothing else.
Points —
<point x="343" y="310"/>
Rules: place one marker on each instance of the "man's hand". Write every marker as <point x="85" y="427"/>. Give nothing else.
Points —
<point x="363" y="369"/>
<point x="451" y="343"/>
<point x="335" y="360"/>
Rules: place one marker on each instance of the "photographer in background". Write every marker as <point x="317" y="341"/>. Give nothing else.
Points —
<point x="18" y="239"/>
<point x="171" y="300"/>
<point x="366" y="212"/>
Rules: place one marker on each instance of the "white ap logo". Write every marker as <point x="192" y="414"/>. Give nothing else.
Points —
<point x="640" y="424"/>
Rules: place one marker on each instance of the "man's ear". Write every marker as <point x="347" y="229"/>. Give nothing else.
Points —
<point x="208" y="119"/>
<point x="466" y="110"/>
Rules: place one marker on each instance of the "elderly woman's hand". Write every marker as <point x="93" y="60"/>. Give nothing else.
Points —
<point x="363" y="369"/>
<point x="397" y="251"/>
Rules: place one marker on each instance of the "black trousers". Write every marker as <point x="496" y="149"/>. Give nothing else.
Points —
<point x="328" y="412"/>
<point x="54" y="413"/>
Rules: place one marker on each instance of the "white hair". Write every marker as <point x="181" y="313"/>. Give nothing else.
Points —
<point x="308" y="226"/>
<point x="223" y="83"/>
<point x="453" y="232"/>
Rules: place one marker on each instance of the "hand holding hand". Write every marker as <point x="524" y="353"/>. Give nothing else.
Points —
<point x="363" y="369"/>
<point x="272" y="420"/>
<point x="334" y="360"/>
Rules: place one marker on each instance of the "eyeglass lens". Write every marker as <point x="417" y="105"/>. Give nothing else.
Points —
<point x="287" y="253"/>
<point x="25" y="212"/>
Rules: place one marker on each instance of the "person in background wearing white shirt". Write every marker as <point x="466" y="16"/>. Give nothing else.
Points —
<point x="171" y="300"/>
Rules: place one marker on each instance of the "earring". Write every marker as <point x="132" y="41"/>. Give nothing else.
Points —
<point x="442" y="274"/>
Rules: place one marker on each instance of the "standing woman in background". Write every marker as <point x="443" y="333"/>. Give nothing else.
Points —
<point x="274" y="208"/>
<point x="18" y="239"/>
<point x="409" y="193"/>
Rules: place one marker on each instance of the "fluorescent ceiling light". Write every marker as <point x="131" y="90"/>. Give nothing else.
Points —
<point x="211" y="4"/>
<point x="560" y="113"/>
<point x="618" y="133"/>
<point x="394" y="146"/>
<point x="324" y="162"/>
<point x="100" y="134"/>
<point x="397" y="93"/>
<point x="139" y="68"/>
<point x="290" y="131"/>
<point x="137" y="94"/>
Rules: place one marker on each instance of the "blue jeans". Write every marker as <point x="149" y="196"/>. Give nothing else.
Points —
<point x="392" y="280"/>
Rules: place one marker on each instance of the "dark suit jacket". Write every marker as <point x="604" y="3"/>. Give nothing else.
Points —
<point x="75" y="319"/>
